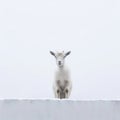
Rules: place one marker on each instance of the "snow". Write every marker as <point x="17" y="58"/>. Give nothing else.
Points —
<point x="53" y="109"/>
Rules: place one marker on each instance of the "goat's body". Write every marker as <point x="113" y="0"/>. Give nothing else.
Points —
<point x="62" y="83"/>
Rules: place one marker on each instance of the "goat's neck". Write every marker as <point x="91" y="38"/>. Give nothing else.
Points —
<point x="61" y="68"/>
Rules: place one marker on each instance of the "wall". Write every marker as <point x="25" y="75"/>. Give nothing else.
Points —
<point x="59" y="110"/>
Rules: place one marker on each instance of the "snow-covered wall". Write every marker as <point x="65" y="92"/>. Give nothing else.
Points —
<point x="59" y="110"/>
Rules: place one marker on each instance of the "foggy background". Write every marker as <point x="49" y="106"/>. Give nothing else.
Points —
<point x="29" y="29"/>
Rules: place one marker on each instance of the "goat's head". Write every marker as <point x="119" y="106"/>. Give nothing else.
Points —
<point x="60" y="57"/>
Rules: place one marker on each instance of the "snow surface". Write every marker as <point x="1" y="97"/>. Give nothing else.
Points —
<point x="59" y="110"/>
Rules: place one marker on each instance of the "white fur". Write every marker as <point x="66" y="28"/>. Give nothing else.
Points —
<point x="62" y="81"/>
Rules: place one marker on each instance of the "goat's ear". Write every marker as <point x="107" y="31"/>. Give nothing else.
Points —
<point x="52" y="53"/>
<point x="66" y="54"/>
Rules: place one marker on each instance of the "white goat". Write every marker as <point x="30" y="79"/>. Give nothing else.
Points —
<point x="62" y="85"/>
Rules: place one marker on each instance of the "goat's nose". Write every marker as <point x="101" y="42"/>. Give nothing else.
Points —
<point x="59" y="62"/>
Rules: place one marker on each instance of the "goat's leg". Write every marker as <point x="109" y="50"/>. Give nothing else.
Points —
<point x="56" y="92"/>
<point x="67" y="91"/>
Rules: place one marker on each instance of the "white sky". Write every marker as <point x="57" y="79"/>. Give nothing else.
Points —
<point x="89" y="28"/>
